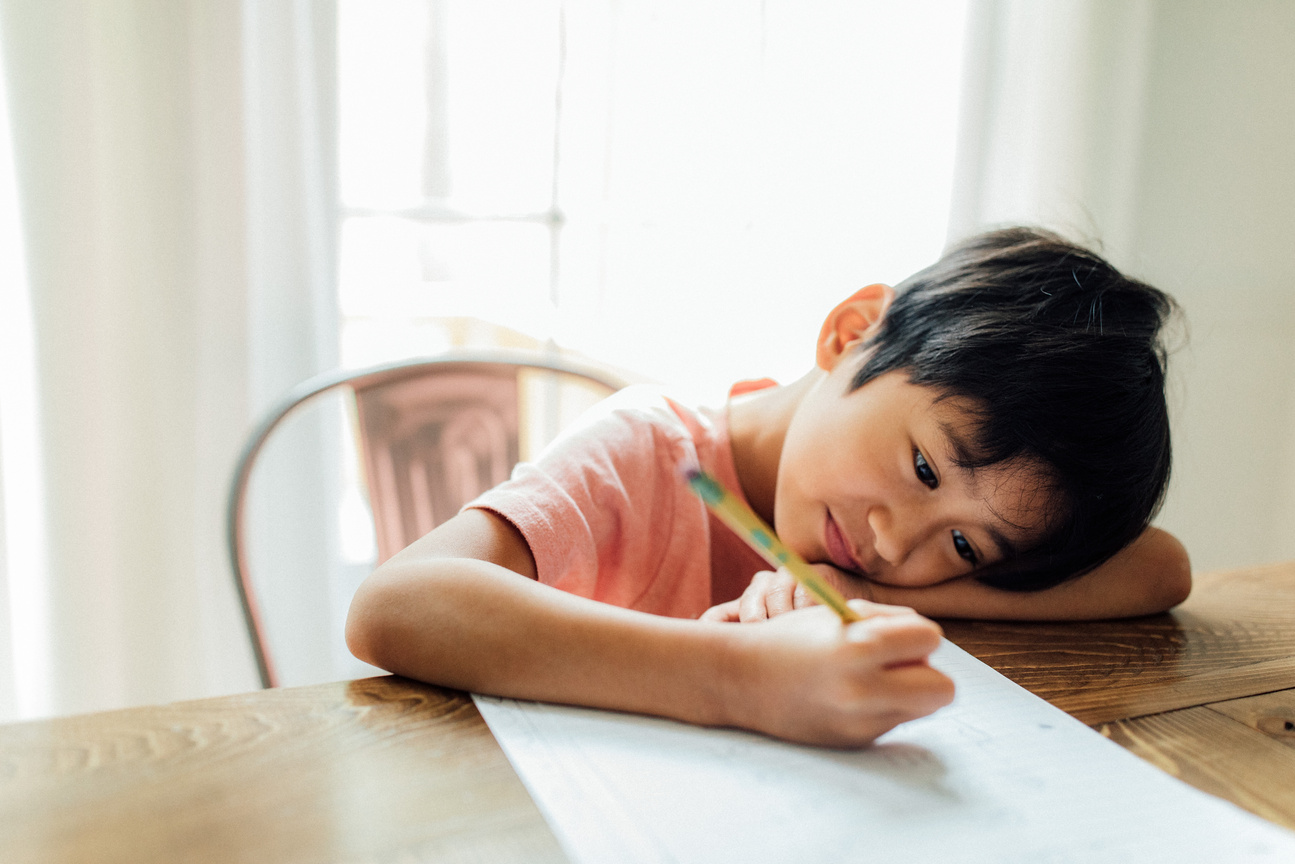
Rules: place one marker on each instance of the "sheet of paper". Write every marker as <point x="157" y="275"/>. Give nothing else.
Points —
<point x="1000" y="776"/>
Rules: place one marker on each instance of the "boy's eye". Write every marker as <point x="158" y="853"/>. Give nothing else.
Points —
<point x="924" y="472"/>
<point x="963" y="547"/>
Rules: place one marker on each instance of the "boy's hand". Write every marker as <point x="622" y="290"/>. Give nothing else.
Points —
<point x="772" y="593"/>
<point x="806" y="677"/>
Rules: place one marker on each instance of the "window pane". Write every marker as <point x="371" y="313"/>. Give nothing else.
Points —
<point x="448" y="101"/>
<point x="381" y="101"/>
<point x="502" y="72"/>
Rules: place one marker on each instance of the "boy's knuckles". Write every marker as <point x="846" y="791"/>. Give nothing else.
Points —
<point x="722" y="612"/>
<point x="751" y="606"/>
<point x="869" y="609"/>
<point x="779" y="600"/>
<point x="922" y="678"/>
<point x="895" y="629"/>
<point x="859" y="731"/>
<point x="850" y="710"/>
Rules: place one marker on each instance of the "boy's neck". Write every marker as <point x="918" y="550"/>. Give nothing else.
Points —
<point x="757" y="424"/>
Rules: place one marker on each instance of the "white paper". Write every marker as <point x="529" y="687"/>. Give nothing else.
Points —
<point x="1000" y="776"/>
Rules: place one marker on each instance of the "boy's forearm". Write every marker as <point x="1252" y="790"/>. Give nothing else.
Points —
<point x="1153" y="574"/>
<point x="476" y="626"/>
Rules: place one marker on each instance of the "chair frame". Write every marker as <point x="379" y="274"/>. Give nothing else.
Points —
<point x="306" y="391"/>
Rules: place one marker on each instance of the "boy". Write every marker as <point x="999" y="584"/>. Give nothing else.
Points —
<point x="991" y="439"/>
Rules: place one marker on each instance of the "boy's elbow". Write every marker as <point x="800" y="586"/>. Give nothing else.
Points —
<point x="1174" y="582"/>
<point x="1180" y="586"/>
<point x="389" y="614"/>
<point x="365" y="626"/>
<point x="357" y="632"/>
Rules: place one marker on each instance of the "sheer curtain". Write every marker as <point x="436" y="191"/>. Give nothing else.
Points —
<point x="1163" y="129"/>
<point x="174" y="168"/>
<point x="20" y="526"/>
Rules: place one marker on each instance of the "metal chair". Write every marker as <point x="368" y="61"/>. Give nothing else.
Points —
<point x="433" y="433"/>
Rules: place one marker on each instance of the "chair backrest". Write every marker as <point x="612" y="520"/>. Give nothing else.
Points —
<point x="433" y="434"/>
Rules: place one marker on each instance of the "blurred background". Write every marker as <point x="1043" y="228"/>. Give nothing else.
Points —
<point x="202" y="204"/>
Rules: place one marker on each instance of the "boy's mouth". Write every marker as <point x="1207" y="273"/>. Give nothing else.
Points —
<point x="838" y="548"/>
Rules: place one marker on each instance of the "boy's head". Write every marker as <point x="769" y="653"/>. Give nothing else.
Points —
<point x="1058" y="358"/>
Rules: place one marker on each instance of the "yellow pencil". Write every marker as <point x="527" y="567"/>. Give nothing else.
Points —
<point x="760" y="537"/>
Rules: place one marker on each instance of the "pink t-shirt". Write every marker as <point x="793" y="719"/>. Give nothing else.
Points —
<point x="608" y="516"/>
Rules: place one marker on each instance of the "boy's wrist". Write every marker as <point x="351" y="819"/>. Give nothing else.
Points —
<point x="725" y="674"/>
<point x="736" y="676"/>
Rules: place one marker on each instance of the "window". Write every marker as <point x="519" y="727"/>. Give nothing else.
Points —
<point x="679" y="189"/>
<point x="448" y="148"/>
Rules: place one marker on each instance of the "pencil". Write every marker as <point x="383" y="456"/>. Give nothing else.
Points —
<point x="736" y="515"/>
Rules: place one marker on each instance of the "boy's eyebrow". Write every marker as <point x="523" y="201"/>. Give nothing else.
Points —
<point x="1006" y="548"/>
<point x="961" y="452"/>
<point x="958" y="446"/>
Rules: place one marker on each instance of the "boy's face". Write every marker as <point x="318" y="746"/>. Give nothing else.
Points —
<point x="867" y="483"/>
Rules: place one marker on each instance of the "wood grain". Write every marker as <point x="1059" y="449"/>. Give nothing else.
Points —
<point x="388" y="770"/>
<point x="377" y="770"/>
<point x="1217" y="754"/>
<point x="1273" y="714"/>
<point x="1234" y="637"/>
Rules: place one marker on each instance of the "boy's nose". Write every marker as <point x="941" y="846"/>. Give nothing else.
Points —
<point x="894" y="534"/>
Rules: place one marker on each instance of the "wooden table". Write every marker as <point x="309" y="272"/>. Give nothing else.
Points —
<point x="1206" y="692"/>
<point x="386" y="770"/>
<point x="377" y="770"/>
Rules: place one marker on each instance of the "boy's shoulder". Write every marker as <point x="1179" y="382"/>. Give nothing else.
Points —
<point x="639" y="431"/>
<point x="645" y="407"/>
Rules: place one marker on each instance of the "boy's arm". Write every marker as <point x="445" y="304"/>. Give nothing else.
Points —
<point x="457" y="608"/>
<point x="1151" y="575"/>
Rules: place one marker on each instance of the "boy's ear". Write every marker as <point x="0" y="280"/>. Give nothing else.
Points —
<point x="852" y="321"/>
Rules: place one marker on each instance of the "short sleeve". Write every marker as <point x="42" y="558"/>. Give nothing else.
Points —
<point x="606" y="513"/>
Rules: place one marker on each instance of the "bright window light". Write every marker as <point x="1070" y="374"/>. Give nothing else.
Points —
<point x="681" y="190"/>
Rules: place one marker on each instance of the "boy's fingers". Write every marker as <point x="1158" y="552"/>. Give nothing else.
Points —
<point x="917" y="690"/>
<point x="723" y="612"/>
<point x="751" y="603"/>
<point x="892" y="640"/>
<point x="904" y="695"/>
<point x="868" y="609"/>
<point x="778" y="599"/>
<point x="751" y="608"/>
<point x="911" y="692"/>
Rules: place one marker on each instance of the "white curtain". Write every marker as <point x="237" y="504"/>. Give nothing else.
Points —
<point x="174" y="172"/>
<point x="1162" y="129"/>
<point x="1053" y="95"/>
<point x="20" y="527"/>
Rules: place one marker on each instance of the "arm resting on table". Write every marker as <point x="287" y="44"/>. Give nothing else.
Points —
<point x="1150" y="575"/>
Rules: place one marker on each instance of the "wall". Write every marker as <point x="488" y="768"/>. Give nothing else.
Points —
<point x="1163" y="131"/>
<point x="1214" y="216"/>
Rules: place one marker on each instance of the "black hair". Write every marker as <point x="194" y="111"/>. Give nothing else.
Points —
<point x="1060" y="360"/>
